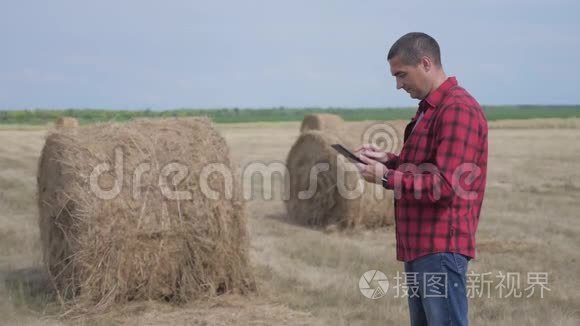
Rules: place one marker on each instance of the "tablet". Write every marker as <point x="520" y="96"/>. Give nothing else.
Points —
<point x="348" y="154"/>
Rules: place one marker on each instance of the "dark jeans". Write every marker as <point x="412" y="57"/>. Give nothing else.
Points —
<point x="437" y="289"/>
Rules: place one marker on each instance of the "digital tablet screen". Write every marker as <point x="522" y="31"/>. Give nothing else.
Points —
<point x="348" y="154"/>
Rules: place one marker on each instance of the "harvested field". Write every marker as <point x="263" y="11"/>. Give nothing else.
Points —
<point x="529" y="224"/>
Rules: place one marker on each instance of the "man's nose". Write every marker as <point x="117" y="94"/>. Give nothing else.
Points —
<point x="399" y="84"/>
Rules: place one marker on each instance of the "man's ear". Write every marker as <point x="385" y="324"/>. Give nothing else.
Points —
<point x="426" y="63"/>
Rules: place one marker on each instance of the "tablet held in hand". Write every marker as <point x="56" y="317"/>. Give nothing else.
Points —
<point x="348" y="154"/>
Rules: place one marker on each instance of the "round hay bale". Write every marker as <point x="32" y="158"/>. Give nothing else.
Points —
<point x="386" y="135"/>
<point x="325" y="189"/>
<point x="66" y="123"/>
<point x="124" y="214"/>
<point x="322" y="121"/>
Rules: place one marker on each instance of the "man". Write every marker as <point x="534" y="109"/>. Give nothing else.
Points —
<point x="438" y="181"/>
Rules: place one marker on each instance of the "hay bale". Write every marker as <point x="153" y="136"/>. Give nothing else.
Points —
<point x="369" y="206"/>
<point x="387" y="135"/>
<point x="322" y="121"/>
<point x="66" y="123"/>
<point x="144" y="242"/>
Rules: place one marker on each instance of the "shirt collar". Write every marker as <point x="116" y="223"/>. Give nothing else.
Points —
<point x="435" y="97"/>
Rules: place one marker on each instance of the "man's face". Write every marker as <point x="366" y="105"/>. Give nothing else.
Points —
<point x="412" y="78"/>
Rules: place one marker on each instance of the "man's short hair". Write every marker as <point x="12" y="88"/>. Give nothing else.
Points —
<point x="412" y="47"/>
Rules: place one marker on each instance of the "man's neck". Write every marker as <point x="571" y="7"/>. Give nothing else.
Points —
<point x="440" y="79"/>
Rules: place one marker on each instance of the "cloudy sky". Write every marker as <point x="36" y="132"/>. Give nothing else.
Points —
<point x="207" y="54"/>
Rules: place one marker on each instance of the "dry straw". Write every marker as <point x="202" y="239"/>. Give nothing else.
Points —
<point x="66" y="123"/>
<point x="140" y="244"/>
<point x="369" y="206"/>
<point x="322" y="121"/>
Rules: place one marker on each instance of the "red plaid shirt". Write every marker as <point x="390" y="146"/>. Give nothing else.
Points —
<point x="439" y="176"/>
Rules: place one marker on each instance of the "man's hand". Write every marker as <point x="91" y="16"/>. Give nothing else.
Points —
<point x="373" y="171"/>
<point x="373" y="152"/>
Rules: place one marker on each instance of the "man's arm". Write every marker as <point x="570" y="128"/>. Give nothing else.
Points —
<point x="392" y="162"/>
<point x="459" y="141"/>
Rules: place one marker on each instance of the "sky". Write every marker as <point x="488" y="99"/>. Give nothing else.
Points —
<point x="211" y="54"/>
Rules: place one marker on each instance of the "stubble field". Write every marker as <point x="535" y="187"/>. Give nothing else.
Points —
<point x="529" y="227"/>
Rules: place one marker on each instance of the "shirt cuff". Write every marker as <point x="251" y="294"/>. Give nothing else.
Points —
<point x="390" y="183"/>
